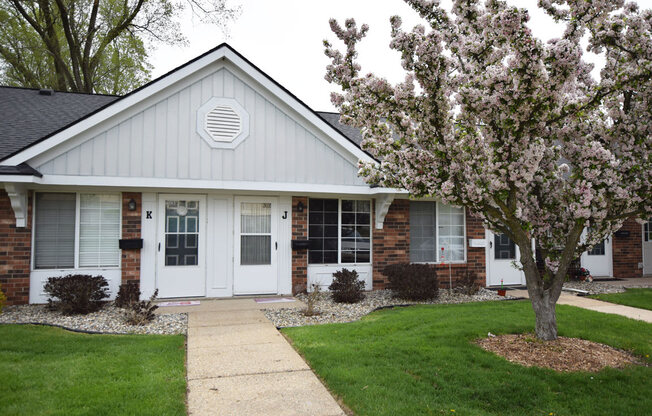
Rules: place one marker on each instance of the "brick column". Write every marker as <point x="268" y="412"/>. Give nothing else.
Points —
<point x="131" y="228"/>
<point x="628" y="251"/>
<point x="299" y="257"/>
<point x="15" y="252"/>
<point x="391" y="244"/>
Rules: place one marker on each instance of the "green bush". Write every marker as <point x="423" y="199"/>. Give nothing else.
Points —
<point x="346" y="288"/>
<point x="412" y="281"/>
<point x="76" y="293"/>
<point x="128" y="294"/>
<point x="3" y="299"/>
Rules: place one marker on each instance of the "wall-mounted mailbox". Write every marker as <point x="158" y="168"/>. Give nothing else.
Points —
<point x="300" y="244"/>
<point x="477" y="242"/>
<point x="622" y="233"/>
<point x="131" y="243"/>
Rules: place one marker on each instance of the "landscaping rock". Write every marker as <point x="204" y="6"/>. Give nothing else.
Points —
<point x="331" y="312"/>
<point x="109" y="320"/>
<point x="595" y="287"/>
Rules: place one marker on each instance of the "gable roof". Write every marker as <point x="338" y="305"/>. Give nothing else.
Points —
<point x="113" y="105"/>
<point x="352" y="133"/>
<point x="26" y="115"/>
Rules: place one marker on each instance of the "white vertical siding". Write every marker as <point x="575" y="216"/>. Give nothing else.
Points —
<point x="161" y="141"/>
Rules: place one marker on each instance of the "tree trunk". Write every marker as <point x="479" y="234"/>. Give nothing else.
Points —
<point x="546" y="318"/>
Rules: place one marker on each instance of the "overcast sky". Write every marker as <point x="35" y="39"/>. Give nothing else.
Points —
<point x="284" y="39"/>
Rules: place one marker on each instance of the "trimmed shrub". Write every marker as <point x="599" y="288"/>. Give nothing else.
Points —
<point x="3" y="299"/>
<point x="76" y="293"/>
<point x="346" y="288"/>
<point x="142" y="312"/>
<point x="412" y="281"/>
<point x="467" y="284"/>
<point x="128" y="294"/>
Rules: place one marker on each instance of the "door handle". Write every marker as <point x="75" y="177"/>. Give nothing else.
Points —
<point x="276" y="245"/>
<point x="491" y="244"/>
<point x="159" y="246"/>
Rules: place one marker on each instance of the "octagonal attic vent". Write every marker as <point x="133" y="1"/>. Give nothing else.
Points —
<point x="222" y="122"/>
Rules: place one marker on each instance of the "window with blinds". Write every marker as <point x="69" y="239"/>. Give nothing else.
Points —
<point x="435" y="226"/>
<point x="57" y="228"/>
<point x="99" y="230"/>
<point x="54" y="231"/>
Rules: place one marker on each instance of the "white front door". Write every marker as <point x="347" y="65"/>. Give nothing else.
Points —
<point x="256" y="245"/>
<point x="502" y="252"/>
<point x="647" y="247"/>
<point x="598" y="260"/>
<point x="181" y="263"/>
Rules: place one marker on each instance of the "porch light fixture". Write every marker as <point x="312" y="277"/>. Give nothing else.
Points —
<point x="131" y="205"/>
<point x="300" y="206"/>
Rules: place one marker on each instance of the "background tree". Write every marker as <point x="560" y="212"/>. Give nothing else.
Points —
<point x="91" y="45"/>
<point x="516" y="129"/>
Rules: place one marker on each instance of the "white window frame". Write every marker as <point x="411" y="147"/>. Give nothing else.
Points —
<point x="339" y="231"/>
<point x="438" y="256"/>
<point x="77" y="230"/>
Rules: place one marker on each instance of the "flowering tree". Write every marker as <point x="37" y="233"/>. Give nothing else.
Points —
<point x="513" y="128"/>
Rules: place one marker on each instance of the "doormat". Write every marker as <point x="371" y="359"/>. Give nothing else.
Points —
<point x="180" y="303"/>
<point x="273" y="300"/>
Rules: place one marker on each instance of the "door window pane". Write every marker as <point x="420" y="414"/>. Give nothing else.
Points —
<point x="322" y="230"/>
<point x="647" y="230"/>
<point x="54" y="231"/>
<point x="422" y="232"/>
<point x="99" y="230"/>
<point x="597" y="250"/>
<point x="181" y="233"/>
<point x="504" y="247"/>
<point x="255" y="233"/>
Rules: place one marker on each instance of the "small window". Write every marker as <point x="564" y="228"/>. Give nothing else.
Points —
<point x="423" y="225"/>
<point x="54" y="231"/>
<point x="356" y="231"/>
<point x="504" y="247"/>
<point x="437" y="232"/>
<point x="647" y="230"/>
<point x="322" y="231"/>
<point x="99" y="230"/>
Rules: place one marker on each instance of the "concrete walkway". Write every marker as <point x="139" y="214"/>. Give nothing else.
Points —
<point x="239" y="364"/>
<point x="595" y="305"/>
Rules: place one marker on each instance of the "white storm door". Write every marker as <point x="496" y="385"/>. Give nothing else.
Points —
<point x="181" y="256"/>
<point x="501" y="254"/>
<point x="647" y="247"/>
<point x="598" y="260"/>
<point x="256" y="245"/>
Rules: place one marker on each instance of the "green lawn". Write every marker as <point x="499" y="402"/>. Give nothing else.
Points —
<point x="638" y="298"/>
<point x="421" y="361"/>
<point x="50" y="371"/>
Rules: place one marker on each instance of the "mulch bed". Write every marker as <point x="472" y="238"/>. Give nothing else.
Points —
<point x="563" y="354"/>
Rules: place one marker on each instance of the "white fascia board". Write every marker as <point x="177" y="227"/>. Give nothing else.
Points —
<point x="20" y="179"/>
<point x="130" y="182"/>
<point x="112" y="110"/>
<point x="298" y="107"/>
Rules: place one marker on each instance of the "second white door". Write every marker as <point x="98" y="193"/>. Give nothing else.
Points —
<point x="502" y="253"/>
<point x="256" y="246"/>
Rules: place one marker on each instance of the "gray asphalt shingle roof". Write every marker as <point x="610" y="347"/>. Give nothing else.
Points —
<point x="333" y="119"/>
<point x="27" y="116"/>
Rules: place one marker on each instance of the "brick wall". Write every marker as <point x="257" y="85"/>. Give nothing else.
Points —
<point x="628" y="251"/>
<point x="299" y="257"/>
<point x="131" y="228"/>
<point x="15" y="252"/>
<point x="392" y="245"/>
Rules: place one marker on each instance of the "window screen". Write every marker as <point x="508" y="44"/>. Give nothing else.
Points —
<point x="422" y="232"/>
<point x="322" y="231"/>
<point x="54" y="231"/>
<point x="356" y="231"/>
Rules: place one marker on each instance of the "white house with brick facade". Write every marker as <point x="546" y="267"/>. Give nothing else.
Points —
<point x="215" y="181"/>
